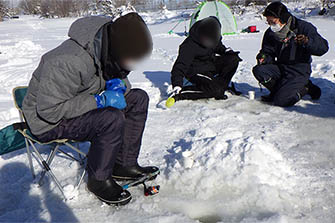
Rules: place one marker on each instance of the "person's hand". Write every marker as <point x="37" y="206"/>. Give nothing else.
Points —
<point x="230" y="51"/>
<point x="116" y="84"/>
<point x="260" y="58"/>
<point x="109" y="98"/>
<point x="301" y="39"/>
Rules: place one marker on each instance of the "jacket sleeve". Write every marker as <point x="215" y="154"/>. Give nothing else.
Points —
<point x="58" y="95"/>
<point x="316" y="45"/>
<point x="268" y="48"/>
<point x="182" y="64"/>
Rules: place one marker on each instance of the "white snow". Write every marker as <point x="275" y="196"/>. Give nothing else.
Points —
<point x="222" y="161"/>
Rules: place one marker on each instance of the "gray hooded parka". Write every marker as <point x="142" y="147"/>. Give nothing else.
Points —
<point x="65" y="82"/>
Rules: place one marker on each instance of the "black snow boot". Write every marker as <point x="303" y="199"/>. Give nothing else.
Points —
<point x="268" y="98"/>
<point x="221" y="97"/>
<point x="108" y="191"/>
<point x="313" y="90"/>
<point x="132" y="172"/>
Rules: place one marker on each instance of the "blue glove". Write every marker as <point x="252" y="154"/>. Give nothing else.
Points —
<point x="116" y="85"/>
<point x="111" y="99"/>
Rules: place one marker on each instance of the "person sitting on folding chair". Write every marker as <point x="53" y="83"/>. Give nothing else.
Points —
<point x="205" y="62"/>
<point x="80" y="92"/>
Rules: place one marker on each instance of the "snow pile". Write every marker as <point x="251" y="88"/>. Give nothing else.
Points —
<point x="15" y="59"/>
<point x="19" y="53"/>
<point x="232" y="178"/>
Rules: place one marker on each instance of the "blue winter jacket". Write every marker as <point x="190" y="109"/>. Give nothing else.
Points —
<point x="290" y="53"/>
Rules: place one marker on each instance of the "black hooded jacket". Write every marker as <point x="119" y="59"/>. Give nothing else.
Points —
<point x="194" y="57"/>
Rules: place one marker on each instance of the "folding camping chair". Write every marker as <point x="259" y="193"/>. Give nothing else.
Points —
<point x="30" y="141"/>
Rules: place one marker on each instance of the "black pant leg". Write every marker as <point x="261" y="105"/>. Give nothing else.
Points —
<point x="207" y="86"/>
<point x="103" y="128"/>
<point x="292" y="87"/>
<point x="193" y="92"/>
<point x="135" y="119"/>
<point x="226" y="67"/>
<point x="203" y="87"/>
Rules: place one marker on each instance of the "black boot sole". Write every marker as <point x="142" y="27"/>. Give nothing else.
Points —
<point x="314" y="91"/>
<point x="117" y="203"/>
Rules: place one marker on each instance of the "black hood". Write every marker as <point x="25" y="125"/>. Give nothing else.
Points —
<point x="109" y="60"/>
<point x="127" y="37"/>
<point x="209" y="27"/>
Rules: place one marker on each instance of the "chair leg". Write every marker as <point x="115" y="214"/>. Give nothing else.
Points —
<point x="31" y="166"/>
<point x="49" y="161"/>
<point x="81" y="179"/>
<point x="46" y="167"/>
<point x="52" y="175"/>
<point x="81" y="157"/>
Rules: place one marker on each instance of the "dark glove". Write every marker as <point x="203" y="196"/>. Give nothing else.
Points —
<point x="261" y="58"/>
<point x="111" y="99"/>
<point x="301" y="39"/>
<point x="232" y="52"/>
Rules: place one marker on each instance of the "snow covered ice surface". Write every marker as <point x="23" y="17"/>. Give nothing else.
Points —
<point x="252" y="162"/>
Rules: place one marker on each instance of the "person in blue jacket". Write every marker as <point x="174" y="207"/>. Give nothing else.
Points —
<point x="284" y="62"/>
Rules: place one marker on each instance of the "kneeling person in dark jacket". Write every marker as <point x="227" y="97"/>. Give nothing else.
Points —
<point x="205" y="62"/>
<point x="80" y="91"/>
<point x="284" y="62"/>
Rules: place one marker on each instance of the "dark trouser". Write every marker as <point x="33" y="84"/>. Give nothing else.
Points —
<point x="286" y="82"/>
<point x="115" y="135"/>
<point x="210" y="85"/>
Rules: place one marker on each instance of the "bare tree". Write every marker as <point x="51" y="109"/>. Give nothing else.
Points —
<point x="48" y="9"/>
<point x="104" y="7"/>
<point x="82" y="7"/>
<point x="256" y="2"/>
<point x="31" y="7"/>
<point x="59" y="8"/>
<point x="65" y="8"/>
<point x="4" y="11"/>
<point x="327" y="3"/>
<point x="119" y="3"/>
<point x="55" y="8"/>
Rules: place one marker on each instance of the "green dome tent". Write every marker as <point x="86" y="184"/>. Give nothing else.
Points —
<point x="218" y="9"/>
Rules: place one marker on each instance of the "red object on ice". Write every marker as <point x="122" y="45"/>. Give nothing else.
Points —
<point x="149" y="191"/>
<point x="252" y="29"/>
